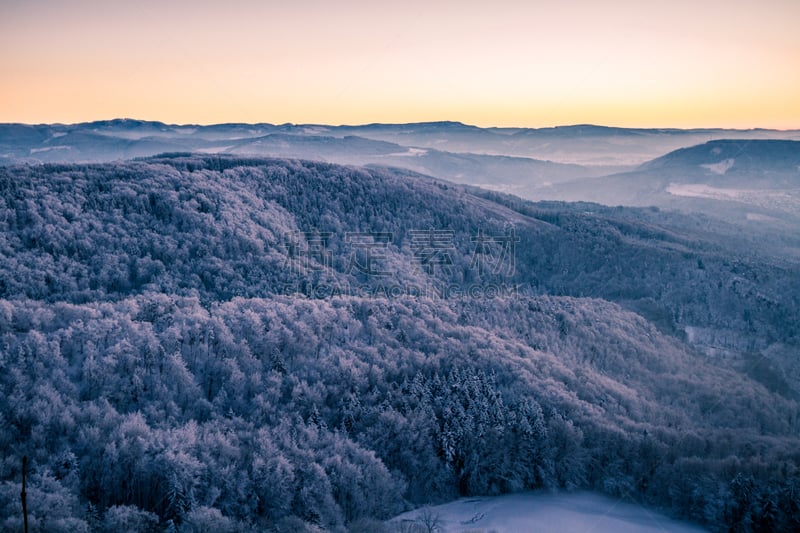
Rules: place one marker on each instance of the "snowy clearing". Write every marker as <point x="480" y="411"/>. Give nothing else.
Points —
<point x="720" y="168"/>
<point x="534" y="511"/>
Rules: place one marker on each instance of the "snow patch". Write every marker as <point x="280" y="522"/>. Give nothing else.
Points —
<point x="699" y="190"/>
<point x="49" y="148"/>
<point x="499" y="187"/>
<point x="313" y="130"/>
<point x="412" y="152"/>
<point x="720" y="168"/>
<point x="759" y="217"/>
<point x="215" y="149"/>
<point x="531" y="511"/>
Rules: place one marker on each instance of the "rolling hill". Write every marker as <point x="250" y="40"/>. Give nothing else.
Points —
<point x="754" y="184"/>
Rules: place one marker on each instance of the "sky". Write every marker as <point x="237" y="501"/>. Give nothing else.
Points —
<point x="642" y="63"/>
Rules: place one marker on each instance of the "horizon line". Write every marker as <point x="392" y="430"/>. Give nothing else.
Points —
<point x="413" y="123"/>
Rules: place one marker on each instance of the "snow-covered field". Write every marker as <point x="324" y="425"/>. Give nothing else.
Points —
<point x="787" y="200"/>
<point x="700" y="190"/>
<point x="542" y="512"/>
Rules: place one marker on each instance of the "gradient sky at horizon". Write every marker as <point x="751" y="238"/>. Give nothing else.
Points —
<point x="681" y="63"/>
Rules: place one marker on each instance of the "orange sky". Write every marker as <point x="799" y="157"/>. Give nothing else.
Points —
<point x="732" y="63"/>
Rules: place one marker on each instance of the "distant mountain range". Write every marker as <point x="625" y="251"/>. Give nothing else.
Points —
<point x="532" y="163"/>
<point x="587" y="145"/>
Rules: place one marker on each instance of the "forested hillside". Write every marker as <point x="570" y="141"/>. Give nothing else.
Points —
<point x="200" y="343"/>
<point x="217" y="228"/>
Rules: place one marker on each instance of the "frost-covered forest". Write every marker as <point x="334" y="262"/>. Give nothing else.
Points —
<point x="182" y="348"/>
